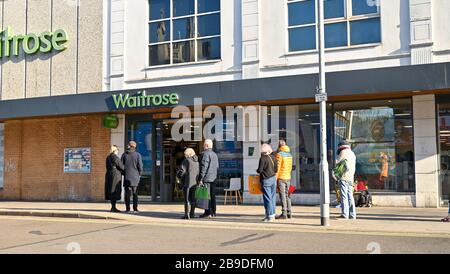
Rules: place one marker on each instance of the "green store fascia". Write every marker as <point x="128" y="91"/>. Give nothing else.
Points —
<point x="31" y="43"/>
<point x="141" y="99"/>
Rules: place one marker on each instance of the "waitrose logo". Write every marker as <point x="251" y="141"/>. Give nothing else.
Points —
<point x="143" y="100"/>
<point x="31" y="43"/>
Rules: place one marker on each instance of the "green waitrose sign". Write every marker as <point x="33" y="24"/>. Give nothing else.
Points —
<point x="122" y="101"/>
<point x="11" y="45"/>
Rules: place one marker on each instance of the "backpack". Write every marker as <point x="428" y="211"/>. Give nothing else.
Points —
<point x="339" y="170"/>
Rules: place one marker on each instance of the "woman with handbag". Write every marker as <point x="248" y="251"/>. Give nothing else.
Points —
<point x="188" y="174"/>
<point x="267" y="169"/>
<point x="113" y="178"/>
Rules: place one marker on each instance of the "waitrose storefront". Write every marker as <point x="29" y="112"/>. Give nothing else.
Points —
<point x="397" y="128"/>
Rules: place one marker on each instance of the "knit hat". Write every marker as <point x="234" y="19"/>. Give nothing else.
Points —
<point x="343" y="145"/>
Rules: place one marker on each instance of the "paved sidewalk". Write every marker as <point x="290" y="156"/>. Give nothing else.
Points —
<point x="373" y="221"/>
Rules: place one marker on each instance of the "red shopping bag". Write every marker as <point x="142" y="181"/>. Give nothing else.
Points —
<point x="291" y="189"/>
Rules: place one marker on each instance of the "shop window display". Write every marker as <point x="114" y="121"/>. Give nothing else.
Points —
<point x="381" y="134"/>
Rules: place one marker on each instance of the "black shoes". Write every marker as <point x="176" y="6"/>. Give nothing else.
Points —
<point x="289" y="216"/>
<point x="205" y="216"/>
<point x="115" y="210"/>
<point x="282" y="217"/>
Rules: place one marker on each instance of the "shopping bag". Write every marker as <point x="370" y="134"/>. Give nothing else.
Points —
<point x="291" y="189"/>
<point x="202" y="197"/>
<point x="254" y="185"/>
<point x="339" y="170"/>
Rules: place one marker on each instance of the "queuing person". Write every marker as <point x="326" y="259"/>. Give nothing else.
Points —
<point x="284" y="162"/>
<point x="267" y="169"/>
<point x="188" y="174"/>
<point x="209" y="166"/>
<point x="113" y="178"/>
<point x="447" y="219"/>
<point x="346" y="154"/>
<point x="133" y="168"/>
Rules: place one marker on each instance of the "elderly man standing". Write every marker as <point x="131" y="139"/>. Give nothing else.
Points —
<point x="134" y="167"/>
<point x="347" y="157"/>
<point x="208" y="175"/>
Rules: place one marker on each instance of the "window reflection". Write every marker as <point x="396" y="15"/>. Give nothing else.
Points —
<point x="302" y="38"/>
<point x="160" y="54"/>
<point x="183" y="52"/>
<point x="301" y="13"/>
<point x="334" y="9"/>
<point x="160" y="31"/>
<point x="360" y="7"/>
<point x="183" y="7"/>
<point x="183" y="28"/>
<point x="184" y="44"/>
<point x="336" y="35"/>
<point x="382" y="138"/>
<point x="362" y="24"/>
<point x="365" y="31"/>
<point x="209" y="25"/>
<point x="159" y="9"/>
<point x="381" y="134"/>
<point x="208" y="49"/>
<point x="208" y="5"/>
<point x="444" y="141"/>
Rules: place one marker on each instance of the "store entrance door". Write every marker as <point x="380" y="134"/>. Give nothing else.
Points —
<point x="141" y="130"/>
<point x="170" y="159"/>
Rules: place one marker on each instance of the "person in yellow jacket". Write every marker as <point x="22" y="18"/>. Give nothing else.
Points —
<point x="284" y="158"/>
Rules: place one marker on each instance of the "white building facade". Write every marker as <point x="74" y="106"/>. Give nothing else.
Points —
<point x="262" y="39"/>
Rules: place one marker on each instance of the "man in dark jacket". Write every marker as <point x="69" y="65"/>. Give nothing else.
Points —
<point x="134" y="167"/>
<point x="208" y="175"/>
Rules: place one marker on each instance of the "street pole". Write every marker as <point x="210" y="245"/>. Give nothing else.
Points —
<point x="322" y="98"/>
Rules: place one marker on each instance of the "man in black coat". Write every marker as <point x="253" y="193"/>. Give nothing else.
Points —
<point x="209" y="166"/>
<point x="133" y="168"/>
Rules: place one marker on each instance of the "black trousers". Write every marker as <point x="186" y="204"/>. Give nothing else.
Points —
<point x="113" y="203"/>
<point x="131" y="190"/>
<point x="212" y="203"/>
<point x="189" y="195"/>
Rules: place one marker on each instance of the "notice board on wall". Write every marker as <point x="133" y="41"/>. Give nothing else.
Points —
<point x="77" y="160"/>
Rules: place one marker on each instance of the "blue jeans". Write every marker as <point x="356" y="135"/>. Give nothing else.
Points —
<point x="347" y="200"/>
<point x="269" y="188"/>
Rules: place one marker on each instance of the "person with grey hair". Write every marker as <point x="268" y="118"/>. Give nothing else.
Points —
<point x="188" y="174"/>
<point x="209" y="166"/>
<point x="267" y="169"/>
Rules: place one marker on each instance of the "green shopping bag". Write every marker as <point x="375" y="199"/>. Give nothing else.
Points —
<point x="339" y="170"/>
<point x="202" y="197"/>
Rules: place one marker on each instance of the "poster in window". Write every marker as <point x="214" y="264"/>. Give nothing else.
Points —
<point x="77" y="160"/>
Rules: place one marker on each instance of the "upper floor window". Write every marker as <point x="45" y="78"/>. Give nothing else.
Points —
<point x="183" y="31"/>
<point x="347" y="23"/>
